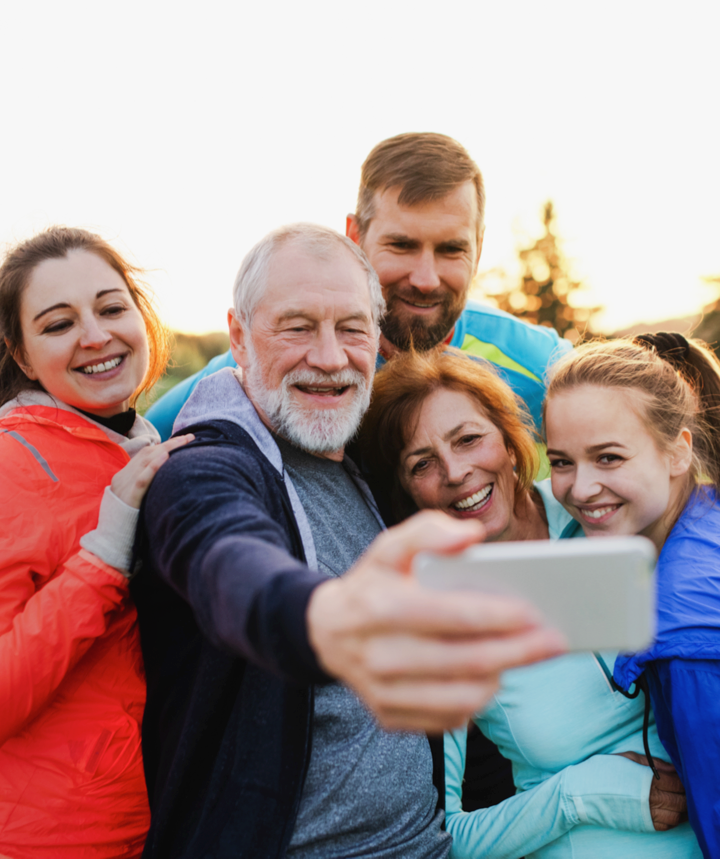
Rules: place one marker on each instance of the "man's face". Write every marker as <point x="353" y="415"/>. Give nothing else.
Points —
<point x="309" y="358"/>
<point x="425" y="257"/>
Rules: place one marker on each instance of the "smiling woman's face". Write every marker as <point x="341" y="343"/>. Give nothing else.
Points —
<point x="84" y="338"/>
<point x="457" y="461"/>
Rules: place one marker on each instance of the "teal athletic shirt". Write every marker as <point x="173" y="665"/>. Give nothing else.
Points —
<point x="521" y="352"/>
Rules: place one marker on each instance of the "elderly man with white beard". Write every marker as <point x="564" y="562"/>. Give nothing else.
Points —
<point x="283" y="633"/>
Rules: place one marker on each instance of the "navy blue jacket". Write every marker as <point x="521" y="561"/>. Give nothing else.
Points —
<point x="228" y="572"/>
<point x="221" y="602"/>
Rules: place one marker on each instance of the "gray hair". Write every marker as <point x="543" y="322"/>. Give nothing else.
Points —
<point x="251" y="280"/>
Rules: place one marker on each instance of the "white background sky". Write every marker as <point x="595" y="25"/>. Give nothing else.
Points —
<point x="184" y="132"/>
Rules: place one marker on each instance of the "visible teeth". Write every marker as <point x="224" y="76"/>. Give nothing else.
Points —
<point x="598" y="513"/>
<point x="324" y="390"/>
<point x="474" y="499"/>
<point x="425" y="306"/>
<point x="101" y="368"/>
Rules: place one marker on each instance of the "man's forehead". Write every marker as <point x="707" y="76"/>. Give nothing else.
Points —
<point x="302" y="281"/>
<point x="457" y="211"/>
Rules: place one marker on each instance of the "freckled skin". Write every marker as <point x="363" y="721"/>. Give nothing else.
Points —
<point x="455" y="452"/>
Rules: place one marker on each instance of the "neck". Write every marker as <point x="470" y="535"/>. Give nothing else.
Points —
<point x="528" y="521"/>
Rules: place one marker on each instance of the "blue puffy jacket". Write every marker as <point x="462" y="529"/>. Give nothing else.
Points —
<point x="682" y="666"/>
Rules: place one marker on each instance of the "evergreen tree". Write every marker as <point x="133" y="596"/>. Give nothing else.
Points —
<point x="546" y="294"/>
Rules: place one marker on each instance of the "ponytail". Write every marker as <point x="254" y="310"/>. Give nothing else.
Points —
<point x="699" y="367"/>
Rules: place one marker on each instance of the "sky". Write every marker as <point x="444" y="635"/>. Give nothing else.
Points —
<point x="183" y="132"/>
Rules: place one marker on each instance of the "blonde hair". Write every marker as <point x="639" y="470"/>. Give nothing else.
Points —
<point x="679" y="385"/>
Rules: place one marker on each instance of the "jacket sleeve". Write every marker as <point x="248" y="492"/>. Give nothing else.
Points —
<point x="211" y="535"/>
<point x="605" y="790"/>
<point x="686" y="703"/>
<point x="51" y="610"/>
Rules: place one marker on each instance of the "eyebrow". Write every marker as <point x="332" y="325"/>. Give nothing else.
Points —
<point x="448" y="435"/>
<point x="303" y="314"/>
<point x="463" y="244"/>
<point x="65" y="304"/>
<point x="593" y="448"/>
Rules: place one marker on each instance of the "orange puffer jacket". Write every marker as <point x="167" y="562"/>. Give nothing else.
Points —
<point x="72" y="687"/>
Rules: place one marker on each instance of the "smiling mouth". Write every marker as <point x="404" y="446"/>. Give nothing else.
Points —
<point x="324" y="391"/>
<point x="474" y="502"/>
<point x="598" y="512"/>
<point x="421" y="305"/>
<point x="101" y="366"/>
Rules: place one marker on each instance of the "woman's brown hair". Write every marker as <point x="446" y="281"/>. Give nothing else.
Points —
<point x="678" y="385"/>
<point x="15" y="272"/>
<point x="399" y="391"/>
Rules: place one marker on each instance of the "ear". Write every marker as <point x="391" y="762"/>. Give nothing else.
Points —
<point x="21" y="360"/>
<point x="352" y="230"/>
<point x="237" y="339"/>
<point x="479" y="250"/>
<point x="681" y="454"/>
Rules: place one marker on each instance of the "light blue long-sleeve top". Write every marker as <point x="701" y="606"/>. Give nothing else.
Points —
<point x="561" y="725"/>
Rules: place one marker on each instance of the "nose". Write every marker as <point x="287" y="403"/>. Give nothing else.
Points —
<point x="586" y="485"/>
<point x="424" y="275"/>
<point x="93" y="334"/>
<point x="326" y="353"/>
<point x="457" y="469"/>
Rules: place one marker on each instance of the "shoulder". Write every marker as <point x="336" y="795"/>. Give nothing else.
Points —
<point x="533" y="346"/>
<point x="163" y="413"/>
<point x="222" y="456"/>
<point x="695" y="537"/>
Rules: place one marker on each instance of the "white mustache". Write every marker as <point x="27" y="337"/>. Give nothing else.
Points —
<point x="341" y="379"/>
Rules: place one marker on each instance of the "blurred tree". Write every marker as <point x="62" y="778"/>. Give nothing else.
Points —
<point x="546" y="294"/>
<point x="708" y="329"/>
<point x="190" y="353"/>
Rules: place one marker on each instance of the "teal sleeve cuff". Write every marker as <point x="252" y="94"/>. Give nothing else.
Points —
<point x="610" y="791"/>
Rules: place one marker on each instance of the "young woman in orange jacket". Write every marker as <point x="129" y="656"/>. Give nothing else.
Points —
<point x="79" y="342"/>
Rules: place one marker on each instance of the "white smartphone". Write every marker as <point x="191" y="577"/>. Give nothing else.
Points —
<point x="599" y="592"/>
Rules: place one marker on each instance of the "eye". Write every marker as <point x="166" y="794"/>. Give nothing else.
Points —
<point x="559" y="463"/>
<point x="57" y="327"/>
<point x="610" y="459"/>
<point x="402" y="246"/>
<point x="469" y="439"/>
<point x="113" y="310"/>
<point x="420" y="466"/>
<point x="451" y="250"/>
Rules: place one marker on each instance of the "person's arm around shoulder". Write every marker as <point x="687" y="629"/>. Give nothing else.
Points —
<point x="605" y="790"/>
<point x="52" y="609"/>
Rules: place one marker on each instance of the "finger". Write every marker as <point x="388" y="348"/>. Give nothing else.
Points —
<point x="668" y="782"/>
<point x="666" y="801"/>
<point x="396" y="656"/>
<point x="427" y="531"/>
<point x="433" y="706"/>
<point x="176" y="441"/>
<point x="408" y="606"/>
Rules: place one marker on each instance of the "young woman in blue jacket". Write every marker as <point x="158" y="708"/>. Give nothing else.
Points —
<point x="446" y="433"/>
<point x="633" y="432"/>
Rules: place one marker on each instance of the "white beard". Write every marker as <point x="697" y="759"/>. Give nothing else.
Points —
<point x="317" y="431"/>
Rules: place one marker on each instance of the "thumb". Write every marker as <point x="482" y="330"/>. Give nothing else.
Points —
<point x="427" y="531"/>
